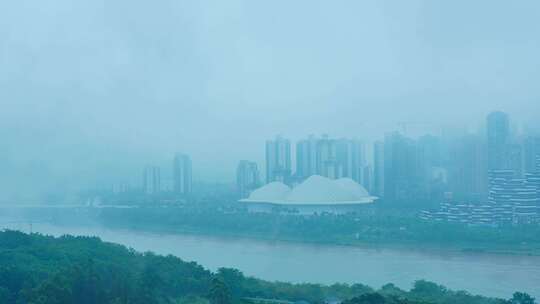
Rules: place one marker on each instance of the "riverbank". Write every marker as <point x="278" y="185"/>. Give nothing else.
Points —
<point x="413" y="246"/>
<point x="385" y="229"/>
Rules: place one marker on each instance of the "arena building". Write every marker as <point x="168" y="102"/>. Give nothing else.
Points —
<point x="316" y="195"/>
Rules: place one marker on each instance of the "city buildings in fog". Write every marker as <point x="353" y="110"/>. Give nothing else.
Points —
<point x="247" y="178"/>
<point x="327" y="162"/>
<point x="494" y="175"/>
<point x="182" y="175"/>
<point x="351" y="160"/>
<point x="278" y="160"/>
<point x="531" y="150"/>
<point x="331" y="158"/>
<point x="367" y="178"/>
<point x="498" y="138"/>
<point x="513" y="178"/>
<point x="431" y="174"/>
<point x="118" y="188"/>
<point x="511" y="200"/>
<point x="468" y="178"/>
<point x="152" y="180"/>
<point x="508" y="168"/>
<point x="456" y="162"/>
<point x="378" y="168"/>
<point x="400" y="170"/>
<point x="306" y="157"/>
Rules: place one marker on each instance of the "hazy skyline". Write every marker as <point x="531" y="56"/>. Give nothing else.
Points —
<point x="96" y="90"/>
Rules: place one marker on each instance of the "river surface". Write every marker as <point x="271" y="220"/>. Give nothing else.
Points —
<point x="479" y="273"/>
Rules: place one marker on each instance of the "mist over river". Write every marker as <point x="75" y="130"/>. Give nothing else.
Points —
<point x="479" y="273"/>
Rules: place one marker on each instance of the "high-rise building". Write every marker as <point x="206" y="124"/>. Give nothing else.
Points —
<point x="517" y="198"/>
<point x="247" y="178"/>
<point x="429" y="155"/>
<point x="468" y="169"/>
<point x="400" y="168"/>
<point x="500" y="193"/>
<point x="498" y="138"/>
<point x="511" y="200"/>
<point x="498" y="181"/>
<point x="182" y="175"/>
<point x="378" y="171"/>
<point x="306" y="158"/>
<point x="278" y="160"/>
<point x="351" y="158"/>
<point x="533" y="181"/>
<point x="367" y="178"/>
<point x="121" y="188"/>
<point x="151" y="180"/>
<point x="327" y="164"/>
<point x="531" y="150"/>
<point x="524" y="199"/>
<point x="431" y="175"/>
<point x="514" y="158"/>
<point x="332" y="158"/>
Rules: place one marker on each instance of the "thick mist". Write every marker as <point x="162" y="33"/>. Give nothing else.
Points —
<point x="92" y="91"/>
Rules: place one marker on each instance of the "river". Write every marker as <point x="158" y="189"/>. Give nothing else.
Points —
<point x="479" y="273"/>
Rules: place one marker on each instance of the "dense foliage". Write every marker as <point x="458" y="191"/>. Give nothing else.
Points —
<point x="38" y="269"/>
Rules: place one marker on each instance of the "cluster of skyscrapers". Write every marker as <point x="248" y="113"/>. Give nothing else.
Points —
<point x="181" y="182"/>
<point x="511" y="176"/>
<point x="332" y="158"/>
<point x="489" y="177"/>
<point x="511" y="200"/>
<point x="324" y="156"/>
<point x="484" y="177"/>
<point x="408" y="170"/>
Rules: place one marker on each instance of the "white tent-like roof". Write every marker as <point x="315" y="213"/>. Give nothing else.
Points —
<point x="275" y="191"/>
<point x="316" y="190"/>
<point x="319" y="189"/>
<point x="351" y="186"/>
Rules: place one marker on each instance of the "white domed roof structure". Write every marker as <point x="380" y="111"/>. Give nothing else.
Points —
<point x="316" y="190"/>
<point x="352" y="187"/>
<point x="272" y="192"/>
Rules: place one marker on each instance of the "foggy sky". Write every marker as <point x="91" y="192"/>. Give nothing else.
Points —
<point x="92" y="91"/>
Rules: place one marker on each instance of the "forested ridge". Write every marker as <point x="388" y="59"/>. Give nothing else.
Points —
<point x="37" y="269"/>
